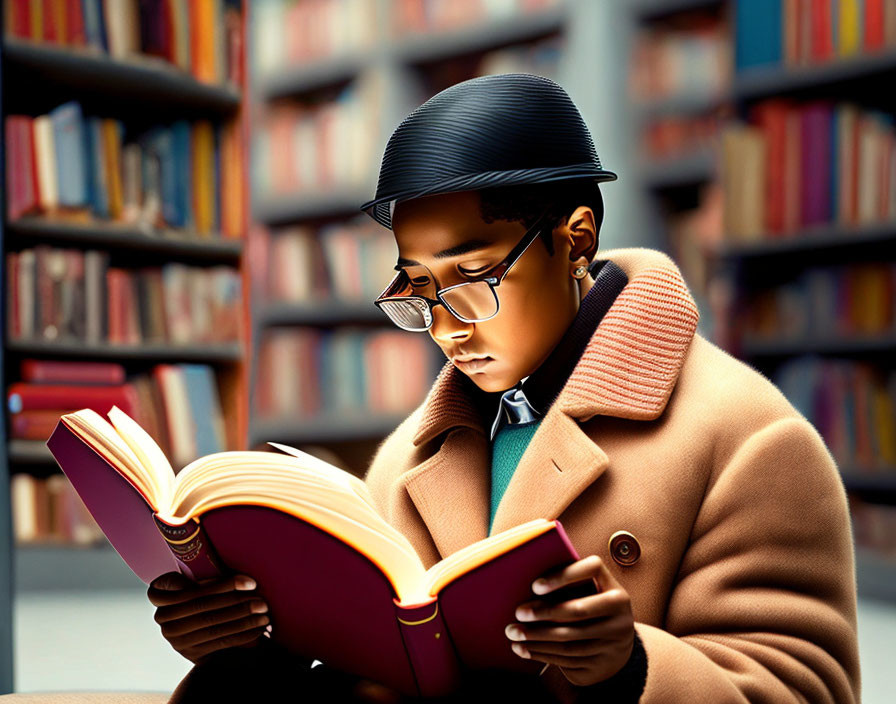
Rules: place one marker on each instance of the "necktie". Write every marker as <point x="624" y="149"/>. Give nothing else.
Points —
<point x="514" y="408"/>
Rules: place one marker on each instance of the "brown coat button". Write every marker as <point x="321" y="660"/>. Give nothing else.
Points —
<point x="624" y="548"/>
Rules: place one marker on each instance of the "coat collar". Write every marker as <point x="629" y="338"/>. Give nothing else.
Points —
<point x="628" y="368"/>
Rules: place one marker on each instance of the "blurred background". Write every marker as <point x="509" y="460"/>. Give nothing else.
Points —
<point x="182" y="238"/>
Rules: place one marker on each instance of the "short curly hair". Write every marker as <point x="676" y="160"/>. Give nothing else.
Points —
<point x="526" y="203"/>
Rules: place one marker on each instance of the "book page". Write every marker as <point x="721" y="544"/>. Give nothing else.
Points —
<point x="146" y="450"/>
<point x="102" y="437"/>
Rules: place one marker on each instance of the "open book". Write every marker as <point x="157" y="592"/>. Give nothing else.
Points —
<point x="343" y="586"/>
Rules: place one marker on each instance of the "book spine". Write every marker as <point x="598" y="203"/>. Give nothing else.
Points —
<point x="192" y="549"/>
<point x="430" y="650"/>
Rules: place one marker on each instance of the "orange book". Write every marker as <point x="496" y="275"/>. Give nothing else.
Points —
<point x="203" y="32"/>
<point x="203" y="163"/>
<point x="111" y="135"/>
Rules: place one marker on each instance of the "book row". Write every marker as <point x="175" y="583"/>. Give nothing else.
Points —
<point x="186" y="175"/>
<point x="853" y="407"/>
<point x="798" y="165"/>
<point x="305" y="372"/>
<point x="315" y="146"/>
<point x="673" y="61"/>
<point x="74" y="295"/>
<point x="341" y="261"/>
<point x="412" y="16"/>
<point x="802" y="32"/>
<point x="177" y="404"/>
<point x="287" y="34"/>
<point x="201" y="37"/>
<point x="49" y="510"/>
<point x="826" y="303"/>
<point x="874" y="527"/>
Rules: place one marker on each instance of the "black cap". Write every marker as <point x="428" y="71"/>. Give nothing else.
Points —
<point x="504" y="130"/>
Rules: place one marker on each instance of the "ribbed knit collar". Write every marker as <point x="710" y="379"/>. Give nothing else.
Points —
<point x="630" y="363"/>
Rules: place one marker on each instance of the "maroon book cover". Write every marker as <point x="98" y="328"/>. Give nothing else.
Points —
<point x="327" y="600"/>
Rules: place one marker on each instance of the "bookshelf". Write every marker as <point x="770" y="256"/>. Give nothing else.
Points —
<point x="400" y="68"/>
<point x="791" y="269"/>
<point x="142" y="94"/>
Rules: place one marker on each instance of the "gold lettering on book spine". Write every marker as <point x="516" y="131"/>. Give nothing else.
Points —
<point x="187" y="549"/>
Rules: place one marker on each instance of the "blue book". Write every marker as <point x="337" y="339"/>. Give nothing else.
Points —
<point x="96" y="168"/>
<point x="71" y="165"/>
<point x="183" y="173"/>
<point x="161" y="148"/>
<point x="95" y="24"/>
<point x="758" y="36"/>
<point x="205" y="408"/>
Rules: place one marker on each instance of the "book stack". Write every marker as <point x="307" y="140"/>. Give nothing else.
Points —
<point x="798" y="165"/>
<point x="184" y="176"/>
<point x="201" y="37"/>
<point x="826" y="303"/>
<point x="178" y="403"/>
<point x="73" y="295"/>
<point x="346" y="371"/>
<point x="48" y="510"/>
<point x="853" y="406"/>
<point x="807" y="32"/>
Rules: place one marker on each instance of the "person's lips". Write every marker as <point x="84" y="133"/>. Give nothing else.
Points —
<point x="471" y="363"/>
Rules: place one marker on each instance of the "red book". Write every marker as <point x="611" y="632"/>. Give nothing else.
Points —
<point x="873" y="35"/>
<point x="21" y="166"/>
<point x="63" y="372"/>
<point x="771" y="117"/>
<point x="822" y="34"/>
<point x="52" y="29"/>
<point x="76" y="36"/>
<point x="34" y="425"/>
<point x="22" y="396"/>
<point x="373" y="610"/>
<point x="18" y="14"/>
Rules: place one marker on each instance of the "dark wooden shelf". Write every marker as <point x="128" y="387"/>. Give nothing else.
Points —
<point x="280" y="209"/>
<point x="323" y="313"/>
<point x="874" y="345"/>
<point x="209" y="352"/>
<point x="29" y="452"/>
<point x="324" y="428"/>
<point x="656" y="9"/>
<point x="113" y="236"/>
<point x="304" y="78"/>
<point x="144" y="78"/>
<point x="693" y="169"/>
<point x="832" y="237"/>
<point x="848" y="74"/>
<point x="679" y="105"/>
<point x="877" y="482"/>
<point x="62" y="567"/>
<point x="424" y="48"/>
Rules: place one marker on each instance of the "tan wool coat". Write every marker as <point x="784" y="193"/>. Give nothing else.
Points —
<point x="744" y="590"/>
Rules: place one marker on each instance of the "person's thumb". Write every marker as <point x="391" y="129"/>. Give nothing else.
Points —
<point x="170" y="581"/>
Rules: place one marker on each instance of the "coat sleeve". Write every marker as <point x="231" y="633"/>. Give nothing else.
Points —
<point x="763" y="608"/>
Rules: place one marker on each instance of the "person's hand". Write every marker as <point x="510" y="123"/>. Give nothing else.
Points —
<point x="199" y="619"/>
<point x="592" y="637"/>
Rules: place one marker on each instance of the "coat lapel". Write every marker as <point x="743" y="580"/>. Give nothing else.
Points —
<point x="628" y="370"/>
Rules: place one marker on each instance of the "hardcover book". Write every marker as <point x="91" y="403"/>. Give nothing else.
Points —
<point x="343" y="586"/>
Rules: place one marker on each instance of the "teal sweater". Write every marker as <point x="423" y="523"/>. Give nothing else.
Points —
<point x="508" y="446"/>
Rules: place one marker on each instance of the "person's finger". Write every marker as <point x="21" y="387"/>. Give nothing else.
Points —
<point x="575" y="648"/>
<point x="176" y="612"/>
<point x="218" y="631"/>
<point x="591" y="567"/>
<point x="564" y="661"/>
<point x="199" y="652"/>
<point x="162" y="597"/>
<point x="207" y="618"/>
<point x="603" y="605"/>
<point x="601" y="629"/>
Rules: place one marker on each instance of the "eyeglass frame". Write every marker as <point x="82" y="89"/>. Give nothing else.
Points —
<point x="493" y="277"/>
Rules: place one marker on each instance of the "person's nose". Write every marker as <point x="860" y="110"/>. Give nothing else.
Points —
<point x="446" y="329"/>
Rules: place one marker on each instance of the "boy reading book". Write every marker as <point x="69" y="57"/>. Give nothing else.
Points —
<point x="708" y="514"/>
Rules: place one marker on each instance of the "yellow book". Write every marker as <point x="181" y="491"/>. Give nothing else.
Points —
<point x="203" y="161"/>
<point x="849" y="28"/>
<point x="111" y="134"/>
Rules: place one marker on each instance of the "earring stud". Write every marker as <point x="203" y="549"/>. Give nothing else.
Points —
<point x="579" y="272"/>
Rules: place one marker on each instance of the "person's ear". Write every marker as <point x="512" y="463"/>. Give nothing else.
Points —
<point x="582" y="235"/>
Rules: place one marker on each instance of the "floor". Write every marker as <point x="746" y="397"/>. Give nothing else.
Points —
<point x="109" y="641"/>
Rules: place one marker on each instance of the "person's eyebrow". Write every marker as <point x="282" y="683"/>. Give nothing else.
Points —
<point x="456" y="250"/>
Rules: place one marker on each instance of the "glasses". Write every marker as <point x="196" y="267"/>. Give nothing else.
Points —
<point x="469" y="302"/>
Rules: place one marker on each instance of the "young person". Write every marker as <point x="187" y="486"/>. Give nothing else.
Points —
<point x="706" y="510"/>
